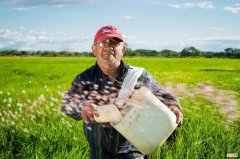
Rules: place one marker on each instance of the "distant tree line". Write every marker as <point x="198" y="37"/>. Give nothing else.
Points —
<point x="44" y="53"/>
<point x="186" y="52"/>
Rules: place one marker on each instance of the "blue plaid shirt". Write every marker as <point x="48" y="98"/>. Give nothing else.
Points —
<point x="104" y="141"/>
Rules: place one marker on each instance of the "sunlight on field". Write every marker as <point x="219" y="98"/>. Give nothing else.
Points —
<point x="32" y="125"/>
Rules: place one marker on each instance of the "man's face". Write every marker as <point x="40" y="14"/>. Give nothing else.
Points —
<point x="109" y="51"/>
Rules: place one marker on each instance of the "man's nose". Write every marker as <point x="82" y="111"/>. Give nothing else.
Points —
<point x="109" y="48"/>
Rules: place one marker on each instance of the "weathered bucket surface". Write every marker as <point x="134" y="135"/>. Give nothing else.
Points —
<point x="148" y="123"/>
<point x="107" y="113"/>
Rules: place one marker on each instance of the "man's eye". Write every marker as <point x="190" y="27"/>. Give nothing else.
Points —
<point x="104" y="43"/>
<point x="114" y="43"/>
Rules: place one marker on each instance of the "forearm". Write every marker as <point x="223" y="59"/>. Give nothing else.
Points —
<point x="167" y="98"/>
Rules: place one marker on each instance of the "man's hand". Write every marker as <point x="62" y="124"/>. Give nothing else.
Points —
<point x="178" y="114"/>
<point x="88" y="111"/>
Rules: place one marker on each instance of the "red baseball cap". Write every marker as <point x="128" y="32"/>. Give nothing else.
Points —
<point x="107" y="32"/>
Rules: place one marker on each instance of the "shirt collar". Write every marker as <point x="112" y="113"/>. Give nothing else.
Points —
<point x="121" y="72"/>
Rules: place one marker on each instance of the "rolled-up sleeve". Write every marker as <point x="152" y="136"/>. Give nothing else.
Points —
<point x="73" y="100"/>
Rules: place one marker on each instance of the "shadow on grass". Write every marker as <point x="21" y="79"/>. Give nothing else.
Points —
<point x="23" y="73"/>
<point x="220" y="70"/>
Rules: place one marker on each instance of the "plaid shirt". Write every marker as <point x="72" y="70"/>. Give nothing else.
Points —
<point x="93" y="85"/>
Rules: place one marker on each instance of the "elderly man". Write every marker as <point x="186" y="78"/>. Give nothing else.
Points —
<point x="99" y="85"/>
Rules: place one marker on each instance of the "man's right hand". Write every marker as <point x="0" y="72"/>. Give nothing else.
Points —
<point x="88" y="111"/>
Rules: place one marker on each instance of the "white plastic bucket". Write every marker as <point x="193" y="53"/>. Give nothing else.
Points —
<point x="148" y="122"/>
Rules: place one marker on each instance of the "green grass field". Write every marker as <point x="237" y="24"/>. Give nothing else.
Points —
<point x="32" y="126"/>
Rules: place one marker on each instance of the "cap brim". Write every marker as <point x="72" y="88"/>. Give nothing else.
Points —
<point x="110" y="36"/>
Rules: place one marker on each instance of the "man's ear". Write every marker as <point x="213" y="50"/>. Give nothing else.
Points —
<point x="94" y="49"/>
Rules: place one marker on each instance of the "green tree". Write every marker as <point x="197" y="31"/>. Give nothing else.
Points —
<point x="168" y="53"/>
<point x="232" y="52"/>
<point x="190" y="51"/>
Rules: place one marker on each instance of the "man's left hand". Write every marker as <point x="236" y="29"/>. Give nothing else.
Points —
<point x="178" y="114"/>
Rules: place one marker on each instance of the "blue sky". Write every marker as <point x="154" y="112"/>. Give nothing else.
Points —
<point x="70" y="25"/>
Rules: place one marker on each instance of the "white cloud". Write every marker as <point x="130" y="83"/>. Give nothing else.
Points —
<point x="202" y="43"/>
<point x="31" y="4"/>
<point x="40" y="40"/>
<point x="133" y="40"/>
<point x="127" y="17"/>
<point x="182" y="6"/>
<point x="211" y="43"/>
<point x="201" y="5"/>
<point x="217" y="28"/>
<point x="21" y="28"/>
<point x="205" y="5"/>
<point x="154" y="2"/>
<point x="235" y="9"/>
